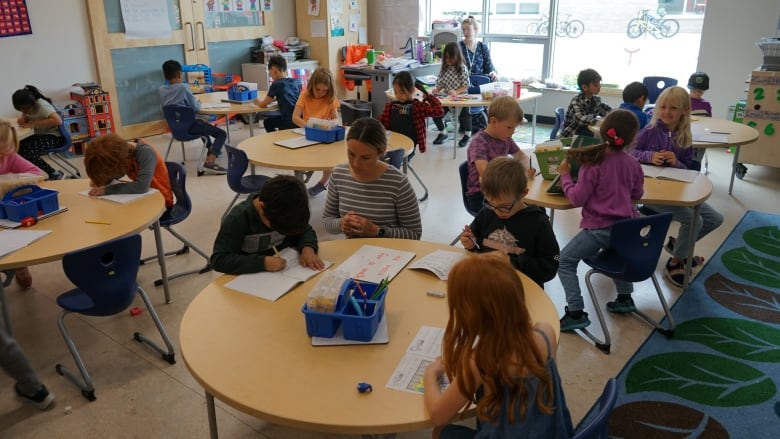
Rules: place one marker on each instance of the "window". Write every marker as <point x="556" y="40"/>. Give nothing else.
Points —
<point x="505" y="8"/>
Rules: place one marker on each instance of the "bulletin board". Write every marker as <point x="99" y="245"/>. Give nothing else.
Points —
<point x="14" y="19"/>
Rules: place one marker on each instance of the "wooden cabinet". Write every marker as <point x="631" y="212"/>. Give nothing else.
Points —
<point x="258" y="73"/>
<point x="762" y="112"/>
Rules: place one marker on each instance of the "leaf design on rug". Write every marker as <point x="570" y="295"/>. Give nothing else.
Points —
<point x="703" y="378"/>
<point x="752" y="267"/>
<point x="743" y="339"/>
<point x="750" y="301"/>
<point x="658" y="419"/>
<point x="764" y="239"/>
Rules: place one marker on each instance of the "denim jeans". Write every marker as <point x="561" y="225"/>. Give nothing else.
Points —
<point x="709" y="220"/>
<point x="585" y="244"/>
<point x="200" y="127"/>
<point x="14" y="363"/>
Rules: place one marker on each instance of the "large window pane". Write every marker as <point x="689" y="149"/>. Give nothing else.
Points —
<point x="516" y="60"/>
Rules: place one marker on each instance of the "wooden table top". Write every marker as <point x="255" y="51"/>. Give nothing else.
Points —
<point x="70" y="232"/>
<point x="657" y="191"/>
<point x="262" y="151"/>
<point x="738" y="133"/>
<point x="233" y="108"/>
<point x="21" y="133"/>
<point x="475" y="100"/>
<point x="255" y="355"/>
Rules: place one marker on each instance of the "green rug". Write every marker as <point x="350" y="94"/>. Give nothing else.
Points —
<point x="718" y="376"/>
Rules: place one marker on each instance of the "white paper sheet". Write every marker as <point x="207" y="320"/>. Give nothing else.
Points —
<point x="438" y="262"/>
<point x="145" y="19"/>
<point x="13" y="240"/>
<point x="121" y="198"/>
<point x="296" y="142"/>
<point x="667" y="173"/>
<point x="372" y="264"/>
<point x="422" y="351"/>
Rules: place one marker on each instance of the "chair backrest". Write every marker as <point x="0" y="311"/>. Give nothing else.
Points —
<point x="183" y="205"/>
<point x="394" y="157"/>
<point x="560" y="116"/>
<point x="598" y="428"/>
<point x="655" y="85"/>
<point x="463" y="172"/>
<point x="65" y="132"/>
<point x="638" y="243"/>
<point x="107" y="273"/>
<point x="180" y="118"/>
<point x="237" y="166"/>
<point x="476" y="81"/>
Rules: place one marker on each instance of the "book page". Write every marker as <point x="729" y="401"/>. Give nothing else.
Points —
<point x="294" y="269"/>
<point x="372" y="264"/>
<point x="438" y="262"/>
<point x="668" y="173"/>
<point x="121" y="198"/>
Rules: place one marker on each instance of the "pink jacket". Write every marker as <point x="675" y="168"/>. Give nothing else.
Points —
<point x="17" y="164"/>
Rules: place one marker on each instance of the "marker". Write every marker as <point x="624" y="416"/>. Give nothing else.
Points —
<point x="276" y="252"/>
<point x="105" y="223"/>
<point x="356" y="306"/>
<point x="362" y="293"/>
<point x="719" y="132"/>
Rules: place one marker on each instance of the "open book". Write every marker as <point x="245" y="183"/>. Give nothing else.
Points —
<point x="273" y="285"/>
<point x="668" y="173"/>
<point x="438" y="262"/>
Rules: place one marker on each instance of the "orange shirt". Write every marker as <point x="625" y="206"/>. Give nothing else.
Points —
<point x="319" y="108"/>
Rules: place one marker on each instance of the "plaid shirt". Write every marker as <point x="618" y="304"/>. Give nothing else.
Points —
<point x="583" y="112"/>
<point x="452" y="78"/>
<point x="415" y="110"/>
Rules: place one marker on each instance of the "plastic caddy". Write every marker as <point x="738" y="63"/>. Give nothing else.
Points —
<point x="355" y="326"/>
<point x="28" y="200"/>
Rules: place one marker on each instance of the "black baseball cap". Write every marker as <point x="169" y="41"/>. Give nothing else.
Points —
<point x="699" y="81"/>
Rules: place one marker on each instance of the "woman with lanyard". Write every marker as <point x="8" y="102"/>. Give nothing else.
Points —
<point x="477" y="57"/>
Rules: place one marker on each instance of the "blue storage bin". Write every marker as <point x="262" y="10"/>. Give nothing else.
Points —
<point x="29" y="200"/>
<point x="241" y="93"/>
<point x="325" y="136"/>
<point x="356" y="327"/>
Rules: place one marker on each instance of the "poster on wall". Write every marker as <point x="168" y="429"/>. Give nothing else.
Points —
<point x="14" y="19"/>
<point x="314" y="8"/>
<point x="336" y="26"/>
<point x="235" y="13"/>
<point x="145" y="19"/>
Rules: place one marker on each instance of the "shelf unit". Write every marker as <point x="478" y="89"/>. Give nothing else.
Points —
<point x="762" y="112"/>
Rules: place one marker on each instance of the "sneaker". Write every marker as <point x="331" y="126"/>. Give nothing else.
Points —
<point x="669" y="247"/>
<point x="316" y="189"/>
<point x="440" y="139"/>
<point x="675" y="272"/>
<point x="621" y="306"/>
<point x="214" y="168"/>
<point x="569" y="323"/>
<point x="463" y="141"/>
<point x="23" y="277"/>
<point x="43" y="399"/>
<point x="56" y="175"/>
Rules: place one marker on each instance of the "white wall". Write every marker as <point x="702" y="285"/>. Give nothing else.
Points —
<point x="57" y="54"/>
<point x="728" y="52"/>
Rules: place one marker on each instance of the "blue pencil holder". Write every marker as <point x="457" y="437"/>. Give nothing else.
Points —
<point x="28" y="200"/>
<point x="355" y="326"/>
<point x="325" y="136"/>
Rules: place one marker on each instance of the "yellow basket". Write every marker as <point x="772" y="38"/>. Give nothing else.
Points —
<point x="549" y="162"/>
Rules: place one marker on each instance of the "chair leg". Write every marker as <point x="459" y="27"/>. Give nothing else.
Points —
<point x="69" y="168"/>
<point x="604" y="345"/>
<point x="425" y="188"/>
<point x="183" y="154"/>
<point x="232" y="202"/>
<point x="667" y="331"/>
<point x="85" y="383"/>
<point x="183" y="250"/>
<point x="202" y="157"/>
<point x="167" y="354"/>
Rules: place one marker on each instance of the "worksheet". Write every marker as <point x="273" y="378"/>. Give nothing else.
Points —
<point x="422" y="351"/>
<point x="439" y="262"/>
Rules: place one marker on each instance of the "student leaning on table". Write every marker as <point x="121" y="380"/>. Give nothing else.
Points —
<point x="12" y="163"/>
<point x="366" y="196"/>
<point x="109" y="157"/>
<point x="275" y="218"/>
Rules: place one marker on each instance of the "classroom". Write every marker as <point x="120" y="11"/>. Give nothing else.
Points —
<point x="140" y="396"/>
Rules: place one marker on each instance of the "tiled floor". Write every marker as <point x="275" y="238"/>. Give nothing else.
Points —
<point x="139" y="395"/>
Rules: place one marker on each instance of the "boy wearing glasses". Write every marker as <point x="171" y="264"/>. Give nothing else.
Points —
<point x="504" y="115"/>
<point x="509" y="225"/>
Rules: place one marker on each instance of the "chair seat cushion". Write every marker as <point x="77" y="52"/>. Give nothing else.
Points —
<point x="78" y="301"/>
<point x="610" y="263"/>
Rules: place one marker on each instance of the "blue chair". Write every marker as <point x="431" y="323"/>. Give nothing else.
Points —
<point x="176" y="214"/>
<point x="59" y="156"/>
<point x="636" y="245"/>
<point x="105" y="280"/>
<point x="476" y="81"/>
<point x="239" y="183"/>
<point x="396" y="158"/>
<point x="463" y="174"/>
<point x="655" y="85"/>
<point x="599" y="427"/>
<point x="180" y="118"/>
<point x="560" y="117"/>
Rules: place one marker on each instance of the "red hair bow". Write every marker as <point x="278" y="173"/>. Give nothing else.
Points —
<point x="618" y="140"/>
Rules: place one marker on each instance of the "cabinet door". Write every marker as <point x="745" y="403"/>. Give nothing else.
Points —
<point x="130" y="70"/>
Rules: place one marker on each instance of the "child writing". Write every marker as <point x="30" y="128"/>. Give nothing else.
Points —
<point x="634" y="100"/>
<point x="175" y="92"/>
<point x="12" y="163"/>
<point x="407" y="115"/>
<point x="453" y="80"/>
<point x="608" y="182"/>
<point x="38" y="113"/>
<point x="504" y="115"/>
<point x="496" y="358"/>
<point x="586" y="107"/>
<point x="318" y="100"/>
<point x="666" y="141"/>
<point x="275" y="218"/>
<point x="510" y="226"/>
<point x="109" y="157"/>
<point x="284" y="91"/>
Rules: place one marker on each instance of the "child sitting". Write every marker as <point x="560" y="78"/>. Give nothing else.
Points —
<point x="509" y="225"/>
<point x="634" y="100"/>
<point x="178" y="93"/>
<point x="283" y="90"/>
<point x="585" y="108"/>
<point x="275" y="218"/>
<point x="407" y="115"/>
<point x="495" y="358"/>
<point x="504" y="115"/>
<point x="698" y="83"/>
<point x="453" y="80"/>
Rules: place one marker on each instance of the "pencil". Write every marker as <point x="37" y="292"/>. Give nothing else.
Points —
<point x="276" y="252"/>
<point x="105" y="223"/>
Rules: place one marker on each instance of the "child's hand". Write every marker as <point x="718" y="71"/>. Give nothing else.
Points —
<point x="274" y="263"/>
<point x="564" y="167"/>
<point x="658" y="158"/>
<point x="437" y="367"/>
<point x="310" y="259"/>
<point x="531" y="173"/>
<point x="670" y="159"/>
<point x="96" y="191"/>
<point x="467" y="239"/>
<point x="452" y="93"/>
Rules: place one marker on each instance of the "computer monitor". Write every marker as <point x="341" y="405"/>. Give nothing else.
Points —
<point x="440" y="37"/>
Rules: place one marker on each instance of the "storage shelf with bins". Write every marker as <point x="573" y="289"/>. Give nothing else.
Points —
<point x="762" y="112"/>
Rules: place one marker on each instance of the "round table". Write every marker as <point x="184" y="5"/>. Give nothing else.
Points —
<point x="255" y="355"/>
<point x="207" y="100"/>
<point x="262" y="151"/>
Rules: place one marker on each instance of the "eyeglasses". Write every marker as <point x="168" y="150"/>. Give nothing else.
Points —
<point x="502" y="209"/>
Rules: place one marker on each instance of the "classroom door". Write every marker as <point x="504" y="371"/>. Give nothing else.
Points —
<point x="216" y="33"/>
